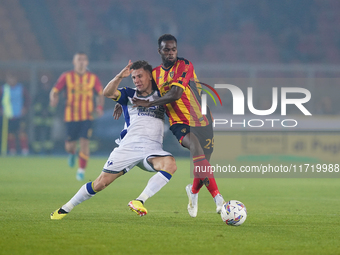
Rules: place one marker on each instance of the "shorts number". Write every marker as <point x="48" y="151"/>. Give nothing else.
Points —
<point x="210" y="144"/>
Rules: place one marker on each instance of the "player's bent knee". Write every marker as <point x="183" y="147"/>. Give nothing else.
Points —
<point x="166" y="163"/>
<point x="84" y="142"/>
<point x="191" y="142"/>
<point x="70" y="147"/>
<point x="170" y="169"/>
<point x="170" y="165"/>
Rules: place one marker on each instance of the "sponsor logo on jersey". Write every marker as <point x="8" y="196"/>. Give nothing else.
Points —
<point x="153" y="111"/>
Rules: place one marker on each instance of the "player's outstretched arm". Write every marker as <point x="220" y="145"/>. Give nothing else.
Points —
<point x="174" y="94"/>
<point x="110" y="91"/>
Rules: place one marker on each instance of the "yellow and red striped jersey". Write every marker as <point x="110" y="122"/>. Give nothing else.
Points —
<point x="187" y="109"/>
<point x="79" y="94"/>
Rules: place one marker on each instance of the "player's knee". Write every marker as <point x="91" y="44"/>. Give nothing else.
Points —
<point x="191" y="142"/>
<point x="196" y="149"/>
<point x="70" y="147"/>
<point x="171" y="169"/>
<point x="170" y="166"/>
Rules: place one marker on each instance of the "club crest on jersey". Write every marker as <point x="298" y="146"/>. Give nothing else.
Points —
<point x="172" y="74"/>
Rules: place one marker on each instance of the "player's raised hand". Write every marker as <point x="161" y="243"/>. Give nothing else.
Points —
<point x="117" y="112"/>
<point x="126" y="71"/>
<point x="139" y="102"/>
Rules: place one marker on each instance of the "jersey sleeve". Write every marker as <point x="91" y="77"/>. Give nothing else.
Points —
<point x="60" y="83"/>
<point x="98" y="86"/>
<point x="154" y="73"/>
<point x="183" y="75"/>
<point x="124" y="94"/>
<point x="198" y="84"/>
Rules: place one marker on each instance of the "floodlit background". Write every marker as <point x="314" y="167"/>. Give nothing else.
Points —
<point x="248" y="43"/>
<point x="244" y="42"/>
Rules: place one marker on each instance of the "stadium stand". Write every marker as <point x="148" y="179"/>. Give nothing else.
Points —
<point x="16" y="34"/>
<point x="229" y="31"/>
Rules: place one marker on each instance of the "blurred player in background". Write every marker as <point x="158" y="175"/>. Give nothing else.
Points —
<point x="175" y="79"/>
<point x="80" y="86"/>
<point x="15" y="102"/>
<point x="43" y="118"/>
<point x="142" y="145"/>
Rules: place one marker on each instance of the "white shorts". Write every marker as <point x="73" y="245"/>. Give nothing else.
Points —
<point x="125" y="158"/>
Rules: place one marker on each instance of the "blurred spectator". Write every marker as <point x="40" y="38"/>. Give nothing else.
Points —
<point x="43" y="118"/>
<point x="109" y="29"/>
<point x="14" y="101"/>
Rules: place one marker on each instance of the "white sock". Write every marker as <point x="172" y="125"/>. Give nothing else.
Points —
<point x="155" y="183"/>
<point x="218" y="199"/>
<point x="81" y="170"/>
<point x="84" y="193"/>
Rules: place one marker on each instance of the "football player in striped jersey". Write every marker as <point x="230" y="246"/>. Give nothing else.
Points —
<point x="80" y="86"/>
<point x="176" y="81"/>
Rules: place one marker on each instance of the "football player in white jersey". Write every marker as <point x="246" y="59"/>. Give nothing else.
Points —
<point x="141" y="146"/>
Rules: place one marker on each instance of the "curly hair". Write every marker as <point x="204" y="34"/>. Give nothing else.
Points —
<point x="166" y="37"/>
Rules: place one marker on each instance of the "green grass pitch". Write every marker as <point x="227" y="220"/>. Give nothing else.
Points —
<point x="285" y="216"/>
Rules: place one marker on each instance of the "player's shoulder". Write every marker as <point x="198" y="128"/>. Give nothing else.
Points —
<point x="183" y="61"/>
<point x="70" y="72"/>
<point x="156" y="68"/>
<point x="89" y="73"/>
<point x="127" y="89"/>
<point x="130" y="92"/>
<point x="64" y="74"/>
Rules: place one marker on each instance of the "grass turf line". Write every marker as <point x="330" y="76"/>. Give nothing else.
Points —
<point x="285" y="216"/>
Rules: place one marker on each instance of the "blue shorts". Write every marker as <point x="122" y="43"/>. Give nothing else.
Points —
<point x="78" y="129"/>
<point x="205" y="135"/>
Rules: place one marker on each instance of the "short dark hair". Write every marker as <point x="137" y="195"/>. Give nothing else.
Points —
<point x="166" y="37"/>
<point x="80" y="53"/>
<point x="141" y="64"/>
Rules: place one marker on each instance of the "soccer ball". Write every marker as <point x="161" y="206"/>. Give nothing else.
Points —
<point x="234" y="213"/>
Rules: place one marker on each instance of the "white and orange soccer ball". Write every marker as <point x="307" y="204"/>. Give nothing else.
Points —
<point x="234" y="213"/>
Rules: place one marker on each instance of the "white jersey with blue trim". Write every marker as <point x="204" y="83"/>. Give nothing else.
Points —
<point x="145" y="126"/>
